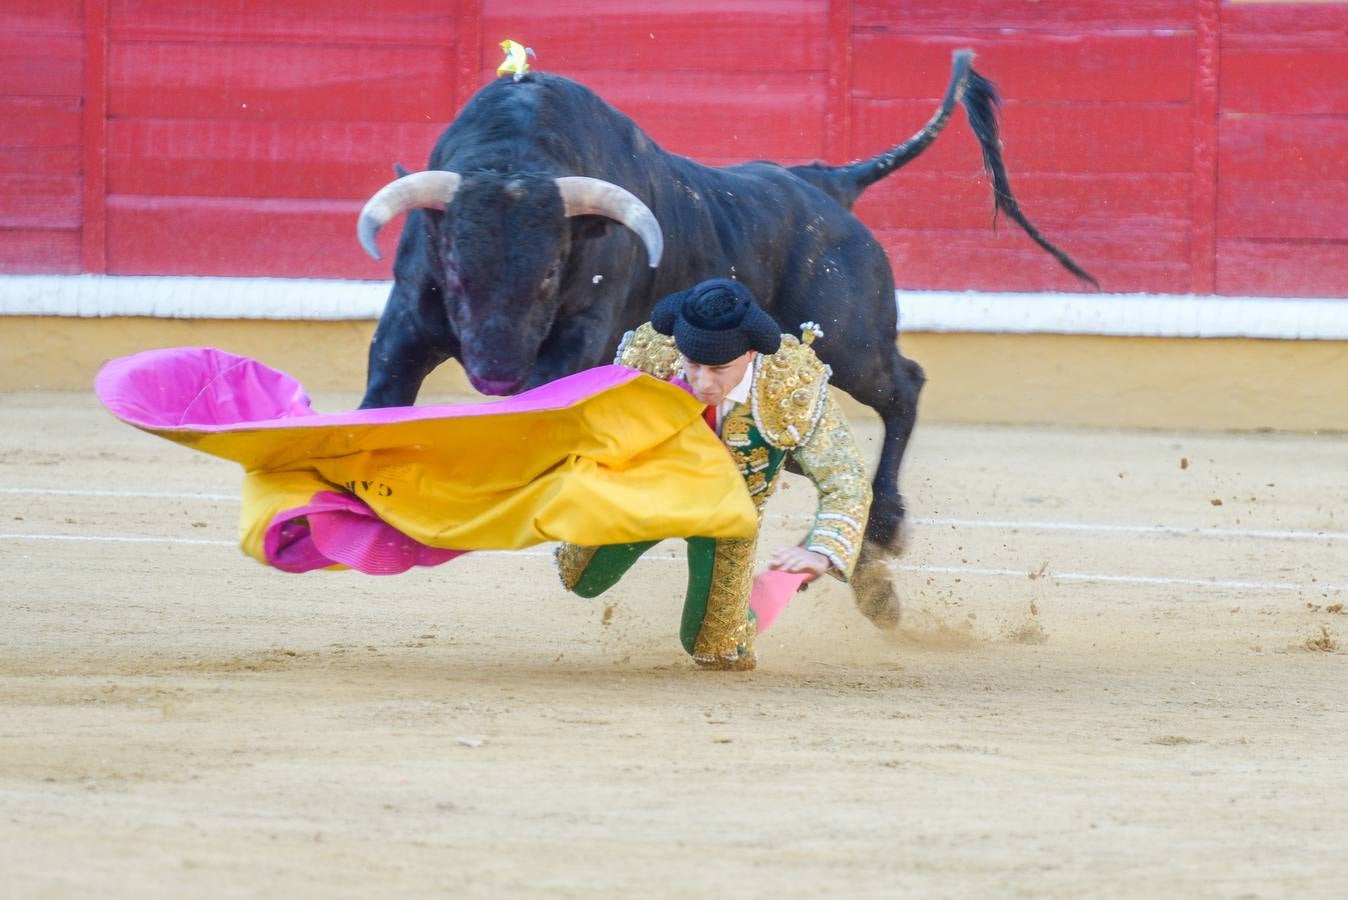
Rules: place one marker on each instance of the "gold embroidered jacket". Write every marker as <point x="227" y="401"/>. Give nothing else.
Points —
<point x="790" y="411"/>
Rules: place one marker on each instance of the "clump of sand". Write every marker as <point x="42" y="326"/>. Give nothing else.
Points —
<point x="931" y="628"/>
<point x="1029" y="630"/>
<point x="1323" y="642"/>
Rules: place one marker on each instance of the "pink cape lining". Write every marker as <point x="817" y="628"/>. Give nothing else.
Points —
<point x="205" y="389"/>
<point x="210" y="390"/>
<point x="338" y="528"/>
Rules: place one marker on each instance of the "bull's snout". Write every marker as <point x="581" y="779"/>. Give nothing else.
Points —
<point x="495" y="387"/>
<point x="494" y="354"/>
<point x="499" y="353"/>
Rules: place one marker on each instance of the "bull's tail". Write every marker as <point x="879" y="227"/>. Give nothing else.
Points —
<point x="981" y="104"/>
<point x="862" y="175"/>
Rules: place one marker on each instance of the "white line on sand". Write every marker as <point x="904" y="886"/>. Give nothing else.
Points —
<point x="937" y="570"/>
<point x="118" y="539"/>
<point x="159" y="495"/>
<point x="1277" y="534"/>
<point x="999" y="525"/>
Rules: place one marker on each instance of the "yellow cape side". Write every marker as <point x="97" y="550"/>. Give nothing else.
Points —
<point x="631" y="463"/>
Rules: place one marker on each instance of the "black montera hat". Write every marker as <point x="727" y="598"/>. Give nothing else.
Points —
<point x="716" y="321"/>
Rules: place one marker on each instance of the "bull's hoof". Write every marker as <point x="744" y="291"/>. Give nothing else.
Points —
<point x="887" y="527"/>
<point x="873" y="587"/>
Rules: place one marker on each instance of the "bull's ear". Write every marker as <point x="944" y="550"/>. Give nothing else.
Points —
<point x="589" y="227"/>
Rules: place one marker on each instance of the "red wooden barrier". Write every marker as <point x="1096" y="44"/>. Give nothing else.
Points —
<point x="40" y="141"/>
<point x="1171" y="147"/>
<point x="1283" y="143"/>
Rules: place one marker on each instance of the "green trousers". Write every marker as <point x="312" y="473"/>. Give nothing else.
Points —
<point x="717" y="628"/>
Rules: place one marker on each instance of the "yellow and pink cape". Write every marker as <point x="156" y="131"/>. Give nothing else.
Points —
<point x="606" y="456"/>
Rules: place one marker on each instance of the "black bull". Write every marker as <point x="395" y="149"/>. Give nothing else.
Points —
<point x="526" y="278"/>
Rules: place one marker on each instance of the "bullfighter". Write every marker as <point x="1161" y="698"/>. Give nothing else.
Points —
<point x="768" y="399"/>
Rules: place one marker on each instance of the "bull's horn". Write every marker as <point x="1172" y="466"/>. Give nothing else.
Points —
<point x="420" y="190"/>
<point x="596" y="197"/>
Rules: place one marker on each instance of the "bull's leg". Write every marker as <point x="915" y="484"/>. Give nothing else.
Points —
<point x="403" y="352"/>
<point x="891" y="388"/>
<point x="896" y="402"/>
<point x="886" y="526"/>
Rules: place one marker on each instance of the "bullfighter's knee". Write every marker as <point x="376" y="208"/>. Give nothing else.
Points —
<point x="572" y="561"/>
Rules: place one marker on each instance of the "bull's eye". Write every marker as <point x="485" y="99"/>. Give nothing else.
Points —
<point x="553" y="271"/>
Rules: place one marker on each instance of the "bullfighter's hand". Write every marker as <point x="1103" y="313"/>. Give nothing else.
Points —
<point x="798" y="559"/>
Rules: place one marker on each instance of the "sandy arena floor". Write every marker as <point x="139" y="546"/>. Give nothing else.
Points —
<point x="1120" y="675"/>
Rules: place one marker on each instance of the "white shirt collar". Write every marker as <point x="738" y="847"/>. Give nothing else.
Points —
<point x="740" y="392"/>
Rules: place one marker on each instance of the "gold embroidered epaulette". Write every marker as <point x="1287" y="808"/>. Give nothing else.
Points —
<point x="650" y="351"/>
<point x="790" y="391"/>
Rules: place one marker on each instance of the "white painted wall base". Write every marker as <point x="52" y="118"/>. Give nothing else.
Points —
<point x="1143" y="315"/>
<point x="171" y="297"/>
<point x="1133" y="315"/>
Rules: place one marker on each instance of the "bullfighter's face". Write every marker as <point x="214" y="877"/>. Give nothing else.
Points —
<point x="712" y="384"/>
